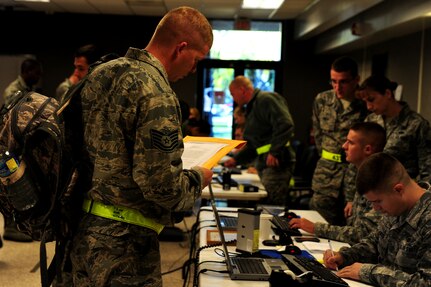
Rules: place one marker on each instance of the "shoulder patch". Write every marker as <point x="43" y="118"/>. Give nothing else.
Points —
<point x="165" y="141"/>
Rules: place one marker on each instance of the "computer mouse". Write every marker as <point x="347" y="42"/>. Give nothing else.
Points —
<point x="290" y="215"/>
<point x="292" y="250"/>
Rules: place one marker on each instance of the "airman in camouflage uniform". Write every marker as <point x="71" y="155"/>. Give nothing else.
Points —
<point x="269" y="129"/>
<point x="408" y="133"/>
<point x="133" y="138"/>
<point x="31" y="72"/>
<point x="334" y="112"/>
<point x="83" y="58"/>
<point x="397" y="253"/>
<point x="364" y="139"/>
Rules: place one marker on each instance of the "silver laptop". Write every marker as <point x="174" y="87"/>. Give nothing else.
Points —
<point x="245" y="268"/>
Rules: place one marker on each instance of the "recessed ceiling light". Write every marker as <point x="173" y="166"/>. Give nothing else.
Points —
<point x="261" y="4"/>
<point x="44" y="1"/>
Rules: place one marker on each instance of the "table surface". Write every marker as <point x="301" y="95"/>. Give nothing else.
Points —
<point x="214" y="279"/>
<point x="235" y="193"/>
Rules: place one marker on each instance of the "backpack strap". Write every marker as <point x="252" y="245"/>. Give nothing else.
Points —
<point x="15" y="99"/>
<point x="15" y="128"/>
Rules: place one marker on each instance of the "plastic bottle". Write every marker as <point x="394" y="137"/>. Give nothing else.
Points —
<point x="20" y="187"/>
<point x="8" y="164"/>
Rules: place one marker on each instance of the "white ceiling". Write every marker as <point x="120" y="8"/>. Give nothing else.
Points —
<point x="221" y="9"/>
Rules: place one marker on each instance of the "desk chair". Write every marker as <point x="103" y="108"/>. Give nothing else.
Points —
<point x="301" y="191"/>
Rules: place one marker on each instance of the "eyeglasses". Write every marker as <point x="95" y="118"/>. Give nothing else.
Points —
<point x="340" y="82"/>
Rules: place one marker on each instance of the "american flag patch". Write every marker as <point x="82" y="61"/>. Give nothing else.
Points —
<point x="165" y="141"/>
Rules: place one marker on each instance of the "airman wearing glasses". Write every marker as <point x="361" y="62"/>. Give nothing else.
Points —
<point x="334" y="112"/>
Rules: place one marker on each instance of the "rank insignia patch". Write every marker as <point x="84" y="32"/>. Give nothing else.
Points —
<point x="164" y="141"/>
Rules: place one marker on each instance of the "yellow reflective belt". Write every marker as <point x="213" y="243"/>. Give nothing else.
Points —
<point x="292" y="182"/>
<point x="331" y="156"/>
<point x="123" y="214"/>
<point x="265" y="148"/>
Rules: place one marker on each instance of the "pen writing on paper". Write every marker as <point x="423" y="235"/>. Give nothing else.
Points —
<point x="332" y="253"/>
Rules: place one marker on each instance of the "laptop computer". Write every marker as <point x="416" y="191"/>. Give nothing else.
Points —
<point x="245" y="268"/>
<point x="228" y="222"/>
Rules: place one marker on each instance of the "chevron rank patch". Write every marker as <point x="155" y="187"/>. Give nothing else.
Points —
<point x="165" y="141"/>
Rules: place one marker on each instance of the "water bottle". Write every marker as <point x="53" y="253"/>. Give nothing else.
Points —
<point x="20" y="188"/>
<point x="8" y="165"/>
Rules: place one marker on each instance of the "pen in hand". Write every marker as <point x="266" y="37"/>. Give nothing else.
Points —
<point x="332" y="253"/>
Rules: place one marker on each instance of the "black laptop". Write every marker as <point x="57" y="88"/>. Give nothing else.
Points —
<point x="245" y="268"/>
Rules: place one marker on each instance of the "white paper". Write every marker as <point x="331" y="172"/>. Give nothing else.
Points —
<point x="316" y="246"/>
<point x="197" y="153"/>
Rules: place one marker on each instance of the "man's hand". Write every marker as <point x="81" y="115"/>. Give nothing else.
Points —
<point x="302" y="223"/>
<point x="73" y="79"/>
<point x="272" y="161"/>
<point x="348" y="209"/>
<point x="230" y="162"/>
<point x="332" y="259"/>
<point x="208" y="175"/>
<point x="351" y="271"/>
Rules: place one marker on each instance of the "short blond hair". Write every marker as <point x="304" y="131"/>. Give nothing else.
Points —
<point x="184" y="24"/>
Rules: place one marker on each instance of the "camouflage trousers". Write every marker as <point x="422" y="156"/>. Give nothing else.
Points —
<point x="111" y="253"/>
<point x="277" y="183"/>
<point x="328" y="197"/>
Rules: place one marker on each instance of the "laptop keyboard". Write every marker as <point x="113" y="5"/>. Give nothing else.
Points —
<point x="249" y="265"/>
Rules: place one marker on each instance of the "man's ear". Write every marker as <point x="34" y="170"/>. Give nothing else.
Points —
<point x="181" y="46"/>
<point x="399" y="187"/>
<point x="368" y="149"/>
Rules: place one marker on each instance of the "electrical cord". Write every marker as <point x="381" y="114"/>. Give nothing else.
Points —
<point x="210" y="261"/>
<point x="198" y="229"/>
<point x="212" y="270"/>
<point x="193" y="234"/>
<point x="197" y="271"/>
<point x="172" y="270"/>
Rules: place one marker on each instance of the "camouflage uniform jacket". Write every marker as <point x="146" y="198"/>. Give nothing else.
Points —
<point x="133" y="137"/>
<point x="364" y="219"/>
<point x="15" y="86"/>
<point x="268" y="121"/>
<point x="62" y="89"/>
<point x="331" y="123"/>
<point x="398" y="252"/>
<point x="408" y="138"/>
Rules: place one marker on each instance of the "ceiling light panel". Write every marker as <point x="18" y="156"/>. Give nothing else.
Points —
<point x="261" y="4"/>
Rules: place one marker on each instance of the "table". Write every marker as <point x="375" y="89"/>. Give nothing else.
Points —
<point x="213" y="279"/>
<point x="235" y="193"/>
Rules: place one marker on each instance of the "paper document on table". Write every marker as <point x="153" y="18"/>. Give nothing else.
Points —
<point x="206" y="151"/>
<point x="316" y="246"/>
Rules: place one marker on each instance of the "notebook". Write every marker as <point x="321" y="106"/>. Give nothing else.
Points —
<point x="245" y="268"/>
